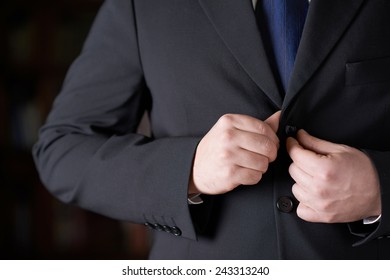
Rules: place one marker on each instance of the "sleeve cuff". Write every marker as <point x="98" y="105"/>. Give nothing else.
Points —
<point x="194" y="199"/>
<point x="371" y="220"/>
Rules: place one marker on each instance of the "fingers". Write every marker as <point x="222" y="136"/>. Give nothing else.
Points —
<point x="307" y="154"/>
<point x="304" y="183"/>
<point x="308" y="214"/>
<point x="303" y="158"/>
<point x="329" y="183"/>
<point x="245" y="176"/>
<point x="303" y="179"/>
<point x="244" y="157"/>
<point x="251" y="160"/>
<point x="250" y="124"/>
<point x="257" y="143"/>
<point x="273" y="121"/>
<point x="314" y="144"/>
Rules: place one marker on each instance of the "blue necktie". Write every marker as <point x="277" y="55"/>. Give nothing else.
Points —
<point x="281" y="23"/>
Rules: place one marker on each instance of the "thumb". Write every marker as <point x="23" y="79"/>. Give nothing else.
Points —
<point x="273" y="121"/>
<point x="314" y="144"/>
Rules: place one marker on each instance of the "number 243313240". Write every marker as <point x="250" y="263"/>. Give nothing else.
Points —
<point x="231" y="270"/>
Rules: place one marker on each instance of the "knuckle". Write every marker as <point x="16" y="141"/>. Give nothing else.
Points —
<point x="269" y="149"/>
<point x="344" y="148"/>
<point x="226" y="120"/>
<point x="226" y="155"/>
<point x="301" y="212"/>
<point x="262" y="129"/>
<point x="254" y="177"/>
<point x="263" y="164"/>
<point x="292" y="171"/>
<point x="295" y="191"/>
<point x="327" y="174"/>
<point x="227" y="136"/>
<point x="320" y="193"/>
<point x="291" y="168"/>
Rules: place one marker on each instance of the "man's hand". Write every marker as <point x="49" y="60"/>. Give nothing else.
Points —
<point x="236" y="151"/>
<point x="334" y="183"/>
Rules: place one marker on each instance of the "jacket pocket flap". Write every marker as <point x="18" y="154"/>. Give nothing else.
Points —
<point x="368" y="72"/>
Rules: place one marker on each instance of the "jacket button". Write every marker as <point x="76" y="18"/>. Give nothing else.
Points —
<point x="291" y="131"/>
<point x="158" y="227"/>
<point x="285" y="204"/>
<point x="176" y="231"/>
<point x="149" y="225"/>
<point x="167" y="229"/>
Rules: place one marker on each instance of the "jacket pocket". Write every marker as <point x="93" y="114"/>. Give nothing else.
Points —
<point x="368" y="72"/>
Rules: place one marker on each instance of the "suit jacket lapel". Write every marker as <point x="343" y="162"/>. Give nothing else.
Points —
<point x="236" y="24"/>
<point x="326" y="22"/>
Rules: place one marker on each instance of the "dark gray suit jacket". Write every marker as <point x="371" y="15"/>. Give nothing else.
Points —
<point x="188" y="62"/>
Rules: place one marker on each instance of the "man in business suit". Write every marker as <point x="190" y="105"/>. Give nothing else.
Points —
<point x="202" y="71"/>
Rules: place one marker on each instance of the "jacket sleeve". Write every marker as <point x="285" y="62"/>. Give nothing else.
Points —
<point x="88" y="153"/>
<point x="381" y="160"/>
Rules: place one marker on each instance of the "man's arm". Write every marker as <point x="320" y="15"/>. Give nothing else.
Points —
<point x="88" y="153"/>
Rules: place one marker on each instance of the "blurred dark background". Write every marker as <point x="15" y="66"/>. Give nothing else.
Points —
<point x="40" y="39"/>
